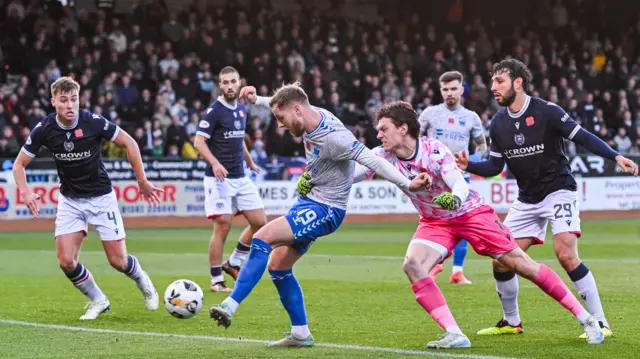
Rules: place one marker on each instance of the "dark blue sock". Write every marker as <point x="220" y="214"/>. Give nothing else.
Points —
<point x="252" y="270"/>
<point x="459" y="253"/>
<point x="290" y="295"/>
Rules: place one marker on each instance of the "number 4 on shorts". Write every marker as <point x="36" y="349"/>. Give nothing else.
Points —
<point x="112" y="217"/>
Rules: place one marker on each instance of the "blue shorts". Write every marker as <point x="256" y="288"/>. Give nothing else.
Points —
<point x="309" y="220"/>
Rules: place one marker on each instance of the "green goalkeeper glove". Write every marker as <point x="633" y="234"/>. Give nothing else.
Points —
<point x="304" y="184"/>
<point x="448" y="201"/>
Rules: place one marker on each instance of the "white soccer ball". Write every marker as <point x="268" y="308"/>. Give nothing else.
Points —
<point x="183" y="298"/>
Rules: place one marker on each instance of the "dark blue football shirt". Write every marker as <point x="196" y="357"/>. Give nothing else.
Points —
<point x="77" y="151"/>
<point x="224" y="125"/>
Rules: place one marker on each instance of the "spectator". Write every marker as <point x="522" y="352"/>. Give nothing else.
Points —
<point x="156" y="65"/>
<point x="622" y="141"/>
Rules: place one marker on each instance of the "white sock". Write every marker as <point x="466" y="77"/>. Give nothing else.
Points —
<point x="134" y="270"/>
<point x="456" y="269"/>
<point x="583" y="316"/>
<point x="454" y="330"/>
<point x="87" y="285"/>
<point x="216" y="279"/>
<point x="237" y="258"/>
<point x="300" y="331"/>
<point x="589" y="293"/>
<point x="508" y="293"/>
<point x="233" y="305"/>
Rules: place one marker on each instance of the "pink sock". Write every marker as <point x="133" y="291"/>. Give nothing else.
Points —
<point x="551" y="284"/>
<point x="431" y="299"/>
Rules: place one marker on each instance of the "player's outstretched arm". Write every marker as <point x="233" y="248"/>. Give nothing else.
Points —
<point x="489" y="168"/>
<point x="361" y="173"/>
<point x="147" y="190"/>
<point x="379" y="165"/>
<point x="570" y="130"/>
<point x="249" y="93"/>
<point x="597" y="146"/>
<point x="20" y="176"/>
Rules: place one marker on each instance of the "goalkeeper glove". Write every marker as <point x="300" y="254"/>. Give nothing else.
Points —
<point x="448" y="201"/>
<point x="304" y="184"/>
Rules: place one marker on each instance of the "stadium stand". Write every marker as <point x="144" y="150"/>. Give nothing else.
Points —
<point x="153" y="70"/>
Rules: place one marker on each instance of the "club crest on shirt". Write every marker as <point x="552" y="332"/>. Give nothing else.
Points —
<point x="519" y="139"/>
<point x="68" y="145"/>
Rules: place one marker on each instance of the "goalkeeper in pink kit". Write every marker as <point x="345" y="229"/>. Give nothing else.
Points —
<point x="451" y="211"/>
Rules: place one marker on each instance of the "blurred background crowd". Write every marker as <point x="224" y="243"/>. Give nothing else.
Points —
<point x="153" y="70"/>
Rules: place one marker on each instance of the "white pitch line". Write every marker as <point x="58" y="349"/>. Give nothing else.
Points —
<point x="242" y="340"/>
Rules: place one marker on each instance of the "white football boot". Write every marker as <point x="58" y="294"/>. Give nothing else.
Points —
<point x="96" y="308"/>
<point x="450" y="341"/>
<point x="151" y="298"/>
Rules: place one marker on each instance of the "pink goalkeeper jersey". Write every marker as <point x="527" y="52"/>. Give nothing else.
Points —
<point x="434" y="158"/>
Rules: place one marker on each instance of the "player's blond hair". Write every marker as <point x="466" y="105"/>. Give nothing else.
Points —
<point x="288" y="94"/>
<point x="64" y="85"/>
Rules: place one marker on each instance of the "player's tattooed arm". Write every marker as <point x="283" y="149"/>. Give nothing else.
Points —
<point x="480" y="144"/>
<point x="30" y="199"/>
<point x="148" y="191"/>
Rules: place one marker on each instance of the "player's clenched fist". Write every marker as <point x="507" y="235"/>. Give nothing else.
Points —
<point x="304" y="184"/>
<point x="448" y="201"/>
<point x="462" y="160"/>
<point x="420" y="182"/>
<point x="249" y="93"/>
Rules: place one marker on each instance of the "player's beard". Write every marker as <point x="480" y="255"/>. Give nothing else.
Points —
<point x="508" y="98"/>
<point x="230" y="97"/>
<point x="452" y="103"/>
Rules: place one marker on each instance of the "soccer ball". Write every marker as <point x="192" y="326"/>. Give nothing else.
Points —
<point x="183" y="298"/>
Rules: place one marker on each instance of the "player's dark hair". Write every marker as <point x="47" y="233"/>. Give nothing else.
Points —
<point x="451" y="76"/>
<point x="228" y="70"/>
<point x="64" y="85"/>
<point x="400" y="113"/>
<point x="288" y="94"/>
<point x="514" y="68"/>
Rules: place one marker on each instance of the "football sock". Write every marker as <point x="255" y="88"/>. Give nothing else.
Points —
<point x="586" y="285"/>
<point x="292" y="299"/>
<point x="216" y="274"/>
<point x="459" y="254"/>
<point x="252" y="270"/>
<point x="83" y="280"/>
<point x="551" y="284"/>
<point x="431" y="299"/>
<point x="507" y="287"/>
<point x="239" y="254"/>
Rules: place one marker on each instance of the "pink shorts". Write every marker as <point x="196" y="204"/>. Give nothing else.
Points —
<point x="481" y="228"/>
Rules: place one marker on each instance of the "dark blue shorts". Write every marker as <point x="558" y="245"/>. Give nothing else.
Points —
<point x="309" y="220"/>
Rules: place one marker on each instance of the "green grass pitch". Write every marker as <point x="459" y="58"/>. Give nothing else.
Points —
<point x="355" y="291"/>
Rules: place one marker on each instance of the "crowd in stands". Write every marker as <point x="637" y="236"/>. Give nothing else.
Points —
<point x="153" y="71"/>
